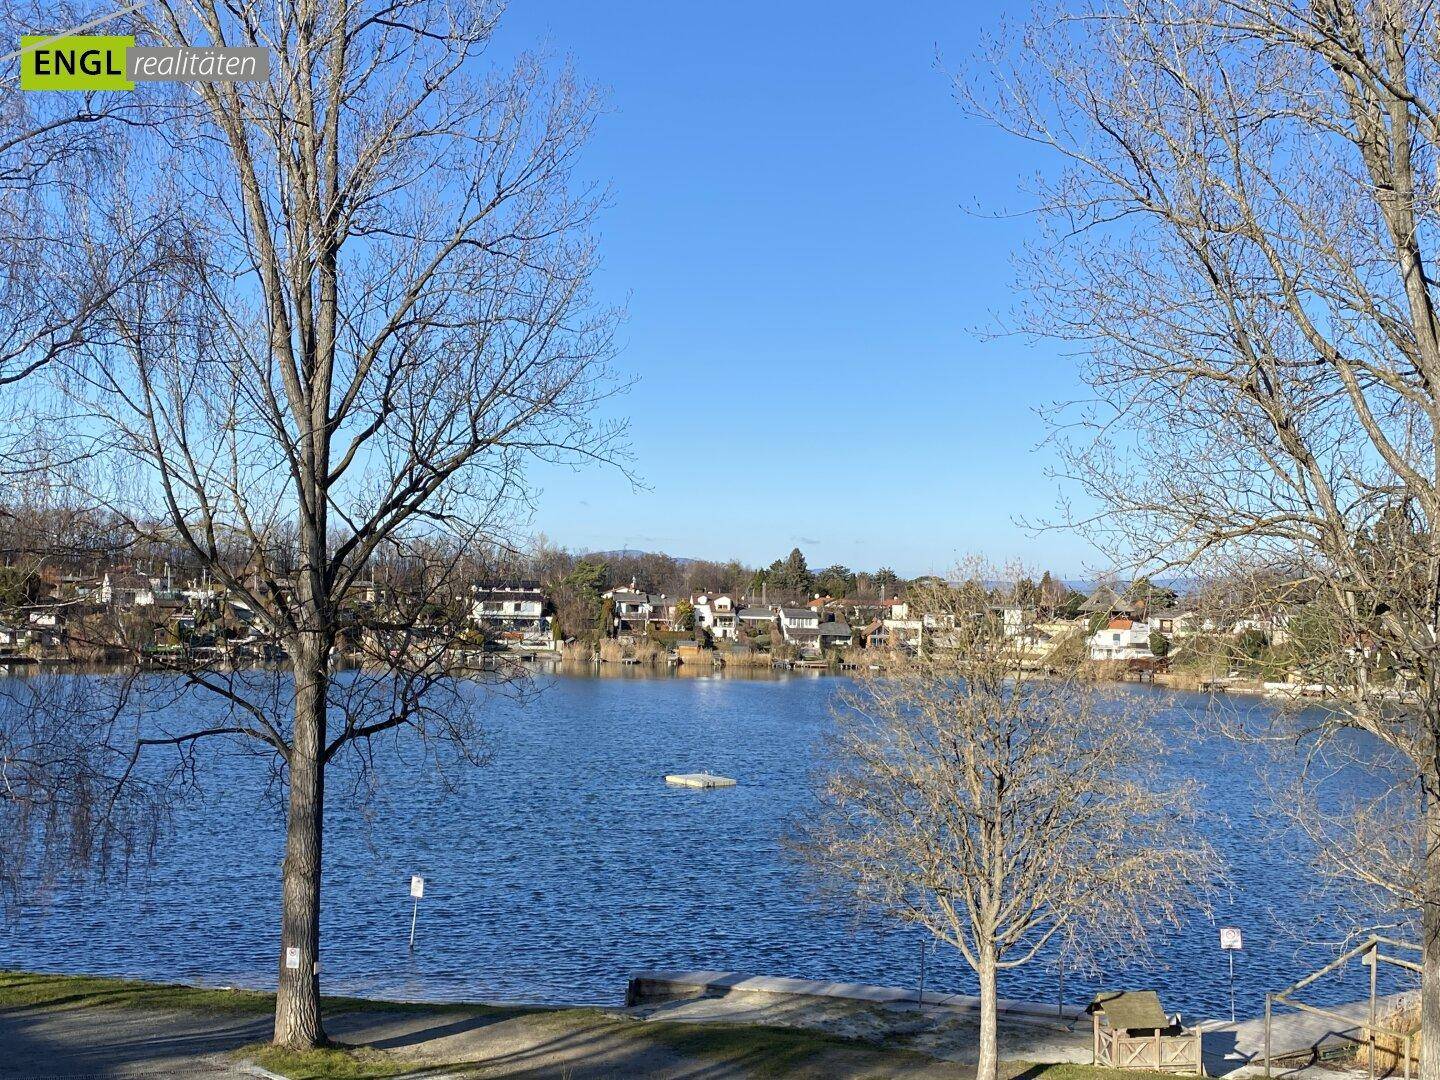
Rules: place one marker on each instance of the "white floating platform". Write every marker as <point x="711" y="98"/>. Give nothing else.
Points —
<point x="699" y="779"/>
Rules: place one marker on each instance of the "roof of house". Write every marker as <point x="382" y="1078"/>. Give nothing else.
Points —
<point x="803" y="632"/>
<point x="756" y="613"/>
<point x="1104" y="599"/>
<point x="1130" y="1010"/>
<point x="1119" y="624"/>
<point x="797" y="613"/>
<point x="125" y="579"/>
<point x="835" y="629"/>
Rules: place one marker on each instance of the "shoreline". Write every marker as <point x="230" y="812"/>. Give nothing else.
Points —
<point x="721" y="1024"/>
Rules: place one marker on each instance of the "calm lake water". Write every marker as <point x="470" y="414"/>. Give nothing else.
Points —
<point x="567" y="863"/>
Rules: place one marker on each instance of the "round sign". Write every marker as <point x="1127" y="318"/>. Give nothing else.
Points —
<point x="1230" y="938"/>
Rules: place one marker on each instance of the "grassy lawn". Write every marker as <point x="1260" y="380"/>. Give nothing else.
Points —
<point x="597" y="1038"/>
<point x="22" y="989"/>
<point x="19" y="989"/>
<point x="333" y="1063"/>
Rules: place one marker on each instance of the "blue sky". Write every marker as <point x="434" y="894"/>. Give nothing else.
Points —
<point x="792" y="232"/>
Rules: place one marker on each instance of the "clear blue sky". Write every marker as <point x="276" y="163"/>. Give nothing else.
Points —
<point x="791" y="232"/>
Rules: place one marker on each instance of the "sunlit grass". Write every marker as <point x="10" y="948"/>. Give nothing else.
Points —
<point x="327" y="1063"/>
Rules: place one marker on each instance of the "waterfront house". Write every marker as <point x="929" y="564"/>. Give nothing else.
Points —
<point x="516" y="607"/>
<point x="903" y="633"/>
<point x="635" y="612"/>
<point x="50" y="618"/>
<point x="1015" y="619"/>
<point x="124" y="588"/>
<point x="14" y="637"/>
<point x="796" y="618"/>
<point x="806" y="639"/>
<point x="631" y="609"/>
<point x="662" y="612"/>
<point x="1121" y="639"/>
<point x="716" y="614"/>
<point x="755" y="620"/>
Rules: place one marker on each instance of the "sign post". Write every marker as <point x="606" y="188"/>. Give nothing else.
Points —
<point x="924" y="947"/>
<point x="417" y="891"/>
<point x="1232" y="942"/>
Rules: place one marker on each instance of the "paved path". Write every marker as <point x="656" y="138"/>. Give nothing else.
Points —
<point x="1231" y="1047"/>
<point x="120" y="1044"/>
<point x="126" y="1044"/>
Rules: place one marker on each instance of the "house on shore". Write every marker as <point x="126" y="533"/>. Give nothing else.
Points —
<point x="636" y="612"/>
<point x="755" y="621"/>
<point x="514" y="608"/>
<point x="1122" y="638"/>
<point x="715" y="614"/>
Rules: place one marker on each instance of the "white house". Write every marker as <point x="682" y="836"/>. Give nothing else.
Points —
<point x="798" y="618"/>
<point x="511" y="607"/>
<point x="1015" y="620"/>
<point x="716" y="614"/>
<point x="1121" y="639"/>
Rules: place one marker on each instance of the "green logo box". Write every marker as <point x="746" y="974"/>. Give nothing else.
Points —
<point x="74" y="62"/>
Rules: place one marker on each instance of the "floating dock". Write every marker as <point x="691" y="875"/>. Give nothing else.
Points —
<point x="699" y="779"/>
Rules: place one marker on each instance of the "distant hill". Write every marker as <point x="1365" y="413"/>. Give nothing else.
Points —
<point x="636" y="553"/>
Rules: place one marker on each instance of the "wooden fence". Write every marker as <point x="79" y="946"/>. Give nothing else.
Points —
<point x="1162" y="1053"/>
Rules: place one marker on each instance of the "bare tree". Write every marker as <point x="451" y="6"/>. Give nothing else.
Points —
<point x="1004" y="813"/>
<point x="1239" y="237"/>
<point x="366" y="312"/>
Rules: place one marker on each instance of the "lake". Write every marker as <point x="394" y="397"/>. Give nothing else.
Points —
<point x="566" y="863"/>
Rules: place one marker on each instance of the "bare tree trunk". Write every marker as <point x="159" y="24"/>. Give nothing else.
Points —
<point x="297" y="1005"/>
<point x="987" y="1067"/>
<point x="1430" y="943"/>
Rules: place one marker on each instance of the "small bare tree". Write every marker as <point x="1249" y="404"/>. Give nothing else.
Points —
<point x="1002" y="812"/>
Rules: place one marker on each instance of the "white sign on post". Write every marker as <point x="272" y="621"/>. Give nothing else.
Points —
<point x="292" y="958"/>
<point x="417" y="886"/>
<point x="1230" y="938"/>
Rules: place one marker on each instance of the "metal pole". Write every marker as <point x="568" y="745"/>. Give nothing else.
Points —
<point x="1267" y="1037"/>
<point x="924" y="945"/>
<point x="414" y="914"/>
<point x="1232" y="984"/>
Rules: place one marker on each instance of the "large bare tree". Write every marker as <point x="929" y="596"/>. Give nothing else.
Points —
<point x="1240" y="238"/>
<point x="368" y="309"/>
<point x="1004" y="813"/>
